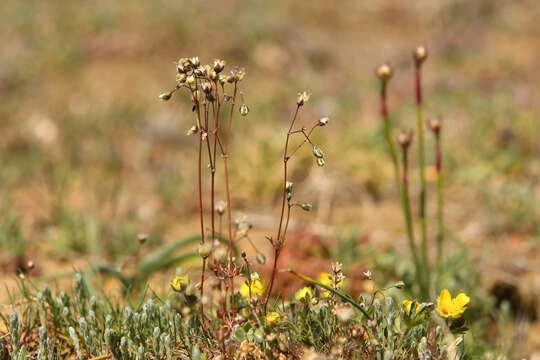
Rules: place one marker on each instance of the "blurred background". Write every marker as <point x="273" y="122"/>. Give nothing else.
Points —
<point x="90" y="158"/>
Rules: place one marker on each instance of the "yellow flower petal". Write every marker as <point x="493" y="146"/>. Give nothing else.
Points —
<point x="304" y="294"/>
<point x="444" y="303"/>
<point x="273" y="318"/>
<point x="255" y="288"/>
<point x="461" y="300"/>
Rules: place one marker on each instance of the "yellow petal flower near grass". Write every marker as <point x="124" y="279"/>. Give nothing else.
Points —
<point x="179" y="283"/>
<point x="255" y="288"/>
<point x="273" y="318"/>
<point x="449" y="307"/>
<point x="328" y="280"/>
<point x="304" y="294"/>
<point x="408" y="303"/>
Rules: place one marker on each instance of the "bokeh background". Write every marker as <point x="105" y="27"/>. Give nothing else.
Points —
<point x="89" y="157"/>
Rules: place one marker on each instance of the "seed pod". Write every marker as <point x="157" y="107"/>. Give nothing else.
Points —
<point x="206" y="87"/>
<point x="195" y="61"/>
<point x="244" y="110"/>
<point x="317" y="151"/>
<point x="289" y="186"/>
<point x="220" y="207"/>
<point x="320" y="161"/>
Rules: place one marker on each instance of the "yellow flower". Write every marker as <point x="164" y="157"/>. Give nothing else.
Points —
<point x="328" y="280"/>
<point x="304" y="294"/>
<point x="255" y="287"/>
<point x="452" y="308"/>
<point x="179" y="283"/>
<point x="273" y="318"/>
<point x="408" y="303"/>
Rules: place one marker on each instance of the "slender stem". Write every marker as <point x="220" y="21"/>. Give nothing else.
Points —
<point x="440" y="199"/>
<point x="421" y="168"/>
<point x="406" y="205"/>
<point x="387" y="129"/>
<point x="279" y="241"/>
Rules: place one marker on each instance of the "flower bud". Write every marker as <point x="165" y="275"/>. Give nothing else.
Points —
<point x="141" y="238"/>
<point x="320" y="161"/>
<point x="420" y="55"/>
<point x="244" y="110"/>
<point x="289" y="185"/>
<point x="435" y="125"/>
<point x="323" y="121"/>
<point x="220" y="207"/>
<point x="219" y="65"/>
<point x="405" y="139"/>
<point x="165" y="96"/>
<point x="261" y="258"/>
<point x="192" y="130"/>
<point x="303" y="97"/>
<point x="384" y="72"/>
<point x="205" y="250"/>
<point x="317" y="151"/>
<point x="306" y="206"/>
<point x="195" y="61"/>
<point x="399" y="285"/>
<point x="213" y="75"/>
<point x="206" y="87"/>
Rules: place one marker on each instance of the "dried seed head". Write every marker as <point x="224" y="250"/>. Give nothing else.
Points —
<point x="303" y="98"/>
<point x="384" y="72"/>
<point x="165" y="96"/>
<point x="420" y="55"/>
<point x="206" y="87"/>
<point x="219" y="65"/>
<point x="405" y="139"/>
<point x="205" y="250"/>
<point x="323" y="121"/>
<point x="244" y="110"/>
<point x="435" y="125"/>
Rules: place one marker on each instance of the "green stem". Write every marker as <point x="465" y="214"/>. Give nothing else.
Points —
<point x="421" y="169"/>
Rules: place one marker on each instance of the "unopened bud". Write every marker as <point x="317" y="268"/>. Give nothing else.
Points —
<point x="206" y="87"/>
<point x="261" y="258"/>
<point x="303" y="97"/>
<point x="289" y="186"/>
<point x="165" y="96"/>
<point x="384" y="72"/>
<point x="244" y="110"/>
<point x="399" y="285"/>
<point x="420" y="55"/>
<point x="306" y="206"/>
<point x="205" y="250"/>
<point x="405" y="139"/>
<point x="220" y="207"/>
<point x="323" y="121"/>
<point x="317" y="151"/>
<point x="141" y="238"/>
<point x="435" y="124"/>
<point x="320" y="161"/>
<point x="179" y="283"/>
<point x="219" y="65"/>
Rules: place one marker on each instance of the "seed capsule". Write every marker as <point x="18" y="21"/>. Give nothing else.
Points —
<point x="303" y="98"/>
<point x="205" y="250"/>
<point x="261" y="258"/>
<point x="323" y="121"/>
<point x="320" y="161"/>
<point x="219" y="65"/>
